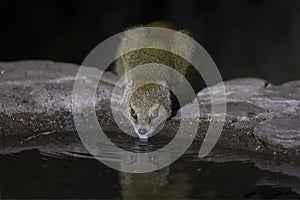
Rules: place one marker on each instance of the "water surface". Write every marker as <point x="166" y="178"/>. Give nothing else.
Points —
<point x="34" y="174"/>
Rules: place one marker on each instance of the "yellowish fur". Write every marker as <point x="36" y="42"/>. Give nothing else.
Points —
<point x="145" y="97"/>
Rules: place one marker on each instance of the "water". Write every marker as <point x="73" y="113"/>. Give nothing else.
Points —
<point x="224" y="174"/>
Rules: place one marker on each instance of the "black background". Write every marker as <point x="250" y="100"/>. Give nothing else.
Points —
<point x="245" y="38"/>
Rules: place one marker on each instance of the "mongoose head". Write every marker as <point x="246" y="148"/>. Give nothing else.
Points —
<point x="148" y="108"/>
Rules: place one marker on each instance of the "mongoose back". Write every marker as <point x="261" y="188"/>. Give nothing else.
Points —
<point x="150" y="104"/>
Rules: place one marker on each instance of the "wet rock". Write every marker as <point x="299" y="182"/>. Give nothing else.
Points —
<point x="281" y="131"/>
<point x="36" y="110"/>
<point x="36" y="96"/>
<point x="271" y="111"/>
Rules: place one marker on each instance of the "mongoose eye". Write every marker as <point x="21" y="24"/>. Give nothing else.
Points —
<point x="154" y="114"/>
<point x="133" y="114"/>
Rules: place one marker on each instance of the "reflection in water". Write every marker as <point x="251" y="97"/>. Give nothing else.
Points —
<point x="223" y="174"/>
<point x="159" y="184"/>
<point x="152" y="185"/>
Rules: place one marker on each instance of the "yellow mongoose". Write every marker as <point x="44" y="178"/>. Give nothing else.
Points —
<point x="150" y="105"/>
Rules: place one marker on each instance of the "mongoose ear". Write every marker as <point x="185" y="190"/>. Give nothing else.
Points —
<point x="129" y="87"/>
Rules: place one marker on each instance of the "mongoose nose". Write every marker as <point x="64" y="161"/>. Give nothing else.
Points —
<point x="142" y="131"/>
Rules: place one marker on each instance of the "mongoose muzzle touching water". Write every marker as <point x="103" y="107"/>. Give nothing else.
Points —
<point x="150" y="104"/>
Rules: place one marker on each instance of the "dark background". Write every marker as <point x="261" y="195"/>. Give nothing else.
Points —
<point x="245" y="38"/>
